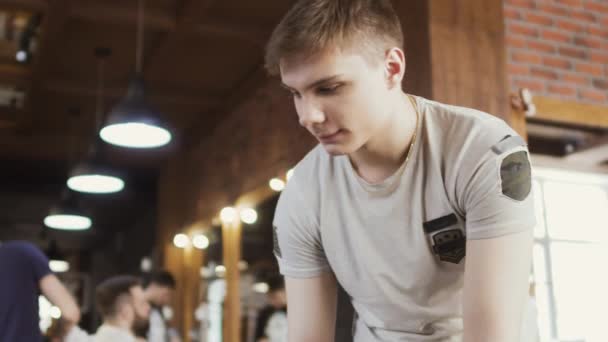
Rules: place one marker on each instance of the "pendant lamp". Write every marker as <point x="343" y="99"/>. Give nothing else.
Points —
<point x="68" y="214"/>
<point x="92" y="175"/>
<point x="133" y="122"/>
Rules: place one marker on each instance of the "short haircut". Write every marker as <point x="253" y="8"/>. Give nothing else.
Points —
<point x="311" y="26"/>
<point x="161" y="278"/>
<point x="112" y="291"/>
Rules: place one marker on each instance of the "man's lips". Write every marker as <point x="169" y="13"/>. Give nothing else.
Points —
<point x="329" y="137"/>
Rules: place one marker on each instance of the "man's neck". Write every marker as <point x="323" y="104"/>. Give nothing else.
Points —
<point x="120" y="324"/>
<point x="385" y="153"/>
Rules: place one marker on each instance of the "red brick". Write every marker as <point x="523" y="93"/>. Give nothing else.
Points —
<point x="574" y="79"/>
<point x="541" y="46"/>
<point x="593" y="95"/>
<point x="522" y="29"/>
<point x="512" y="13"/>
<point x="525" y="57"/>
<point x="571" y="2"/>
<point x="556" y="62"/>
<point x="573" y="52"/>
<point x="600" y="32"/>
<point x="539" y="19"/>
<point x="556" y="36"/>
<point x="563" y="90"/>
<point x="522" y="3"/>
<point x="570" y="26"/>
<point x="584" y="16"/>
<point x="600" y="83"/>
<point x="518" y="69"/>
<point x="599" y="57"/>
<point x="552" y="9"/>
<point x="596" y="7"/>
<point x="533" y="85"/>
<point x="543" y="73"/>
<point x="515" y="42"/>
<point x="588" y="42"/>
<point x="592" y="69"/>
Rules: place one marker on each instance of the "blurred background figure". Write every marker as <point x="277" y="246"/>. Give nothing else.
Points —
<point x="159" y="289"/>
<point x="124" y="309"/>
<point x="271" y="324"/>
<point x="25" y="274"/>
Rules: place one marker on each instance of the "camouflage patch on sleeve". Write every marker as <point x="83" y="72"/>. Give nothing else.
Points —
<point x="516" y="176"/>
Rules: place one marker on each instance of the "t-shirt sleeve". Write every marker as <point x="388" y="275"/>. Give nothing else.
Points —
<point x="498" y="198"/>
<point x="38" y="261"/>
<point x="297" y="239"/>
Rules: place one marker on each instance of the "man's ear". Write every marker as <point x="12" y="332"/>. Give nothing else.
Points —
<point x="394" y="67"/>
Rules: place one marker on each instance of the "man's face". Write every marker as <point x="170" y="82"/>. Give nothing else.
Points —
<point x="340" y="96"/>
<point x="141" y="308"/>
<point x="163" y="296"/>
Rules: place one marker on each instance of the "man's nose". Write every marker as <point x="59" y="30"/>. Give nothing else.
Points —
<point x="310" y="113"/>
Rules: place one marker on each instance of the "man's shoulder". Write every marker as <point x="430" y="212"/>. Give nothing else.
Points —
<point x="463" y="126"/>
<point x="22" y="250"/>
<point x="452" y="116"/>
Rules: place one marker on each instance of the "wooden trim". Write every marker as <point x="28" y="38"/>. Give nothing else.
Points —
<point x="571" y="112"/>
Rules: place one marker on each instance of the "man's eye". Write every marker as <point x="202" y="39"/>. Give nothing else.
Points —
<point x="328" y="90"/>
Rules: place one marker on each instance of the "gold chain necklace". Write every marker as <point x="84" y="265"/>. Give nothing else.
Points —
<point x="411" y="147"/>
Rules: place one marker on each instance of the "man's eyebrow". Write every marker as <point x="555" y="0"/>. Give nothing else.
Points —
<point x="315" y="83"/>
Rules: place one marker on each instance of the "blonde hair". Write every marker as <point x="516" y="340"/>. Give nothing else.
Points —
<point x="311" y="26"/>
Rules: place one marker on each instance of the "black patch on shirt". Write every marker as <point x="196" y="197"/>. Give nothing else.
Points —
<point x="516" y="176"/>
<point x="450" y="245"/>
<point x="275" y="242"/>
<point x="439" y="223"/>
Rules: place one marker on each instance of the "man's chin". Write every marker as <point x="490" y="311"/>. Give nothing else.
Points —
<point x="335" y="150"/>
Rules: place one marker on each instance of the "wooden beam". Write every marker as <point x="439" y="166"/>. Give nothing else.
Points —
<point x="156" y="94"/>
<point x="98" y="12"/>
<point x="52" y="27"/>
<point x="231" y="238"/>
<point x="15" y="74"/>
<point x="571" y="112"/>
<point x="161" y="21"/>
<point x="468" y="57"/>
<point x="28" y="5"/>
<point x="187" y="6"/>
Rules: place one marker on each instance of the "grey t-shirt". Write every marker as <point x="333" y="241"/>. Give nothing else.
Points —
<point x="397" y="247"/>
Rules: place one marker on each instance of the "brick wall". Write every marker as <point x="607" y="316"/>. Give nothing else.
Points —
<point x="558" y="48"/>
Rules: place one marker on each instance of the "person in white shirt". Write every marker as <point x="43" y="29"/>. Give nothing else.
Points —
<point x="159" y="289"/>
<point x="123" y="307"/>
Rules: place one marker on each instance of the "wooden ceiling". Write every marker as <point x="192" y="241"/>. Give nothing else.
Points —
<point x="200" y="59"/>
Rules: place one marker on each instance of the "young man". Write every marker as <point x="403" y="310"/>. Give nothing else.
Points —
<point x="123" y="308"/>
<point x="24" y="275"/>
<point x="158" y="292"/>
<point x="271" y="325"/>
<point x="396" y="192"/>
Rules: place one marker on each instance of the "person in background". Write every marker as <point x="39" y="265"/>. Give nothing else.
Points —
<point x="24" y="275"/>
<point x="159" y="289"/>
<point x="271" y="323"/>
<point x="123" y="307"/>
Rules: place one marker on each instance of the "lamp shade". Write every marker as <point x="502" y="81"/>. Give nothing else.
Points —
<point x="93" y="176"/>
<point x="133" y="123"/>
<point x="68" y="215"/>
